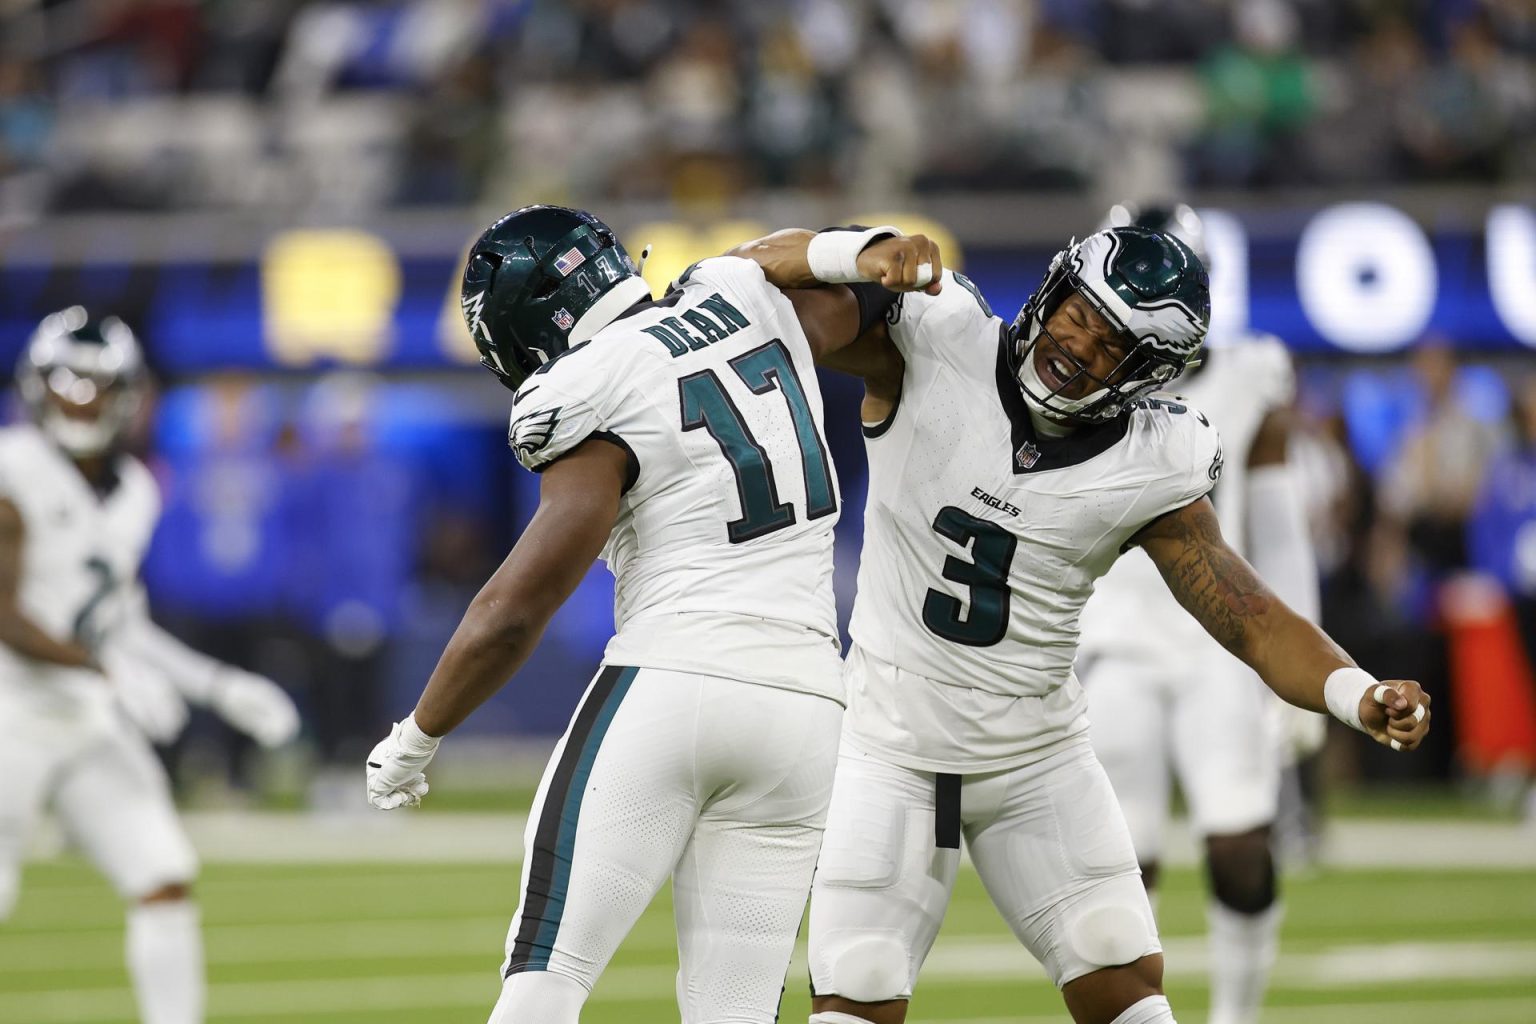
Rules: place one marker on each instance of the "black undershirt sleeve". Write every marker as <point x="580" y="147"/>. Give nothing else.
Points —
<point x="875" y="303"/>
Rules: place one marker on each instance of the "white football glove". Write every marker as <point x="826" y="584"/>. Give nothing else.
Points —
<point x="395" y="767"/>
<point x="1301" y="732"/>
<point x="255" y="705"/>
<point x="146" y="695"/>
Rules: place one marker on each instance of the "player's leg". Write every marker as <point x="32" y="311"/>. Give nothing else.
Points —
<point x="115" y="800"/>
<point x="1053" y="851"/>
<point x="1128" y="706"/>
<point x="612" y="814"/>
<point x="880" y="893"/>
<point x="765" y="758"/>
<point x="1229" y="770"/>
<point x="29" y="762"/>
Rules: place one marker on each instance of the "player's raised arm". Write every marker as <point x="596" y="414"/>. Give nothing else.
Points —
<point x="1295" y="659"/>
<point x="798" y="258"/>
<point x="578" y="504"/>
<point x="841" y="281"/>
<point x="17" y="630"/>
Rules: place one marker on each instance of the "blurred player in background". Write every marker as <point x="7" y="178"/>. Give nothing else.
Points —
<point x="1164" y="697"/>
<point x="680" y="440"/>
<point x="85" y="675"/>
<point x="1008" y="468"/>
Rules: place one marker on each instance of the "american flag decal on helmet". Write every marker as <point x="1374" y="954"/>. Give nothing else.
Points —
<point x="569" y="261"/>
<point x="564" y="320"/>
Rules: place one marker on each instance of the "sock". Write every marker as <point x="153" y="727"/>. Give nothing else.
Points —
<point x="1243" y="951"/>
<point x="539" y="997"/>
<point x="165" y="960"/>
<point x="832" y="1017"/>
<point x="1151" y="1010"/>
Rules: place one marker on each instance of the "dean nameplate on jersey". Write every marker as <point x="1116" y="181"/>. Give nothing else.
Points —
<point x="713" y="319"/>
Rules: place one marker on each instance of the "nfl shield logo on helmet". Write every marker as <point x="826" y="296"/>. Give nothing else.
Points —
<point x="1027" y="455"/>
<point x="564" y="320"/>
<point x="569" y="261"/>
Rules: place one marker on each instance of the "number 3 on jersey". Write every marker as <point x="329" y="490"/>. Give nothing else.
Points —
<point x="705" y="403"/>
<point x="986" y="575"/>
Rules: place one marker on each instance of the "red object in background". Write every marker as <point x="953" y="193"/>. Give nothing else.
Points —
<point x="1493" y="686"/>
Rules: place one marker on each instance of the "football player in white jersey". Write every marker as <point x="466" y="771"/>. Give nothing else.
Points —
<point x="1165" y="698"/>
<point x="84" y="673"/>
<point x="1009" y="467"/>
<point x="679" y="440"/>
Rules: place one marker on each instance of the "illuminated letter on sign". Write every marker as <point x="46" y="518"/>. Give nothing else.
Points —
<point x="1226" y="243"/>
<point x="1366" y="277"/>
<point x="1512" y="269"/>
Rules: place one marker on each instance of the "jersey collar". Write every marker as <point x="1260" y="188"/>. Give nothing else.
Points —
<point x="1033" y="453"/>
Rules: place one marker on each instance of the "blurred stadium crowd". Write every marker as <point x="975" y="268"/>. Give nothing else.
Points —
<point x="154" y="104"/>
<point x="1421" y="479"/>
<point x="327" y="531"/>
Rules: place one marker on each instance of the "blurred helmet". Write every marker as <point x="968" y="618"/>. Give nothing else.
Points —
<point x="1177" y="219"/>
<point x="1151" y="287"/>
<point x="541" y="280"/>
<point x="82" y="379"/>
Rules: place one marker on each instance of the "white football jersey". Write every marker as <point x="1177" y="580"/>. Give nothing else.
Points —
<point x="80" y="560"/>
<point x="982" y="542"/>
<point x="722" y="552"/>
<point x="1132" y="611"/>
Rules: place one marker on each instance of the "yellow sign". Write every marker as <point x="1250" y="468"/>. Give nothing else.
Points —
<point x="328" y="294"/>
<point x="917" y="224"/>
<point x="676" y="246"/>
<point x="452" y="332"/>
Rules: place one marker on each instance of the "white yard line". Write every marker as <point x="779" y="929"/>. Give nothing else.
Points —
<point x="255" y="837"/>
<point x="1505" y="1010"/>
<point x="1331" y="967"/>
<point x="1338" y="967"/>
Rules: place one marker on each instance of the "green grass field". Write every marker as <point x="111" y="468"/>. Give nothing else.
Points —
<point x="359" y="944"/>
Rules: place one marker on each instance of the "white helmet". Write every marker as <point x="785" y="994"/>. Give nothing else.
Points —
<point x="82" y="380"/>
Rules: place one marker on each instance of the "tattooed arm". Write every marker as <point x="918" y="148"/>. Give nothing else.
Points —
<point x="1291" y="655"/>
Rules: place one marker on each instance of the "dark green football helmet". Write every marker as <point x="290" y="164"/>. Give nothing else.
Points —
<point x="541" y="280"/>
<point x="1176" y="219"/>
<point x="1150" y="287"/>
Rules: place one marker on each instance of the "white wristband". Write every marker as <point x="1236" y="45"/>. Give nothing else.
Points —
<point x="834" y="255"/>
<point x="1343" y="691"/>
<point x="413" y="740"/>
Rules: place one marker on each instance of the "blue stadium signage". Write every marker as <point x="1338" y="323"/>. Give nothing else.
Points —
<point x="1352" y="278"/>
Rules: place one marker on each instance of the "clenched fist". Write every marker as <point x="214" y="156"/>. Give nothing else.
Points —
<point x="906" y="263"/>
<point x="1396" y="714"/>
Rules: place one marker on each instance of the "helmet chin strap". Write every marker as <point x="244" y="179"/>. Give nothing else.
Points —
<point x="608" y="307"/>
